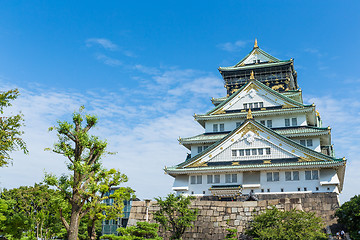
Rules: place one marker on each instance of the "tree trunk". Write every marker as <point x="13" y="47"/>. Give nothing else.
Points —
<point x="92" y="229"/>
<point x="74" y="222"/>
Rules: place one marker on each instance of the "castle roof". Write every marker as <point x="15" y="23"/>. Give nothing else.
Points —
<point x="256" y="58"/>
<point x="298" y="156"/>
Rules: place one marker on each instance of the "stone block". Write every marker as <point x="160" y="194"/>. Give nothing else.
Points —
<point x="234" y="210"/>
<point x="250" y="204"/>
<point x="237" y="222"/>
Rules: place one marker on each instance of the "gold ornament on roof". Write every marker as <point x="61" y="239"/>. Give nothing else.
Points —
<point x="252" y="75"/>
<point x="249" y="115"/>
<point x="255" y="44"/>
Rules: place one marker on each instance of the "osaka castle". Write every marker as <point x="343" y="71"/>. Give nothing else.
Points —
<point x="260" y="138"/>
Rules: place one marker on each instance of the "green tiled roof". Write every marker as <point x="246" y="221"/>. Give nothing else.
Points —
<point x="285" y="98"/>
<point x="301" y="130"/>
<point x="239" y="65"/>
<point x="305" y="130"/>
<point x="254" y="66"/>
<point x="204" y="137"/>
<point x="259" y="125"/>
<point x="175" y="169"/>
<point x="306" y="108"/>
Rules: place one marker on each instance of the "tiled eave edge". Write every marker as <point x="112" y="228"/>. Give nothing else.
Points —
<point x="289" y="135"/>
<point x="255" y="113"/>
<point x="254" y="66"/>
<point x="258" y="167"/>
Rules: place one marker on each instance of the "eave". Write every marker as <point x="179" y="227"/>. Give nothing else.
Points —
<point x="256" y="167"/>
<point x="254" y="66"/>
<point x="201" y="119"/>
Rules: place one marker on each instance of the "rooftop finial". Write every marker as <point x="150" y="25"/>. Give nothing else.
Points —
<point x="249" y="114"/>
<point x="255" y="44"/>
<point x="252" y="75"/>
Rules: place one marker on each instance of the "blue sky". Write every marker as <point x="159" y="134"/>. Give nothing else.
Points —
<point x="145" y="67"/>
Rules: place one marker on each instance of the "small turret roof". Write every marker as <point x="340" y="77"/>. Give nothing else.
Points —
<point x="256" y="56"/>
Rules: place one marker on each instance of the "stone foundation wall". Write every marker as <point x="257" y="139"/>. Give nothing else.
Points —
<point x="215" y="216"/>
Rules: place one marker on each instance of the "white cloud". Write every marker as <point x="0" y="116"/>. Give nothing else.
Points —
<point x="108" y="60"/>
<point x="103" y="42"/>
<point x="345" y="132"/>
<point x="142" y="131"/>
<point x="232" y="46"/>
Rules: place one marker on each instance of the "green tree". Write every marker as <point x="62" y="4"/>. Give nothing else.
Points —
<point x="142" y="230"/>
<point x="30" y="212"/>
<point x="10" y="133"/>
<point x="286" y="225"/>
<point x="175" y="214"/>
<point x="85" y="187"/>
<point x="349" y="215"/>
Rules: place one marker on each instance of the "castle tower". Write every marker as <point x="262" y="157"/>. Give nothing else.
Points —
<point x="274" y="73"/>
<point x="261" y="138"/>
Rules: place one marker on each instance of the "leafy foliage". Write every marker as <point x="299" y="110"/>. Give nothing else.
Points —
<point x="231" y="234"/>
<point x="175" y="214"/>
<point x="289" y="225"/>
<point x="85" y="189"/>
<point x="10" y="133"/>
<point x="142" y="230"/>
<point x="349" y="215"/>
<point x="30" y="212"/>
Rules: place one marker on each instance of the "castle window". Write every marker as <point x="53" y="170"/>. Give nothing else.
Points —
<point x="199" y="149"/>
<point x="254" y="151"/>
<point x="268" y="151"/>
<point x="269" y="123"/>
<point x="196" y="179"/>
<point x="312" y="175"/>
<point x="261" y="104"/>
<point x="268" y="190"/>
<point x="205" y="147"/>
<point x="287" y="122"/>
<point x="260" y="151"/>
<point x="209" y="179"/>
<point x="272" y="176"/>
<point x="262" y="122"/>
<point x="199" y="179"/>
<point x="230" y="178"/>
<point x="306" y="143"/>
<point x="317" y="188"/>
<point x="216" y="178"/>
<point x="222" y="127"/>
<point x="193" y="179"/>
<point x="215" y="127"/>
<point x="256" y="105"/>
<point x="258" y="61"/>
<point x="245" y="105"/>
<point x="262" y="190"/>
<point x="294" y="121"/>
<point x="250" y="105"/>
<point x="292" y="176"/>
<point x="234" y="153"/>
<point x="203" y="192"/>
<point x="241" y="152"/>
<point x="247" y="151"/>
<point x="315" y="174"/>
<point x="296" y="175"/>
<point x="305" y="189"/>
<point x="282" y="190"/>
<point x="299" y="189"/>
